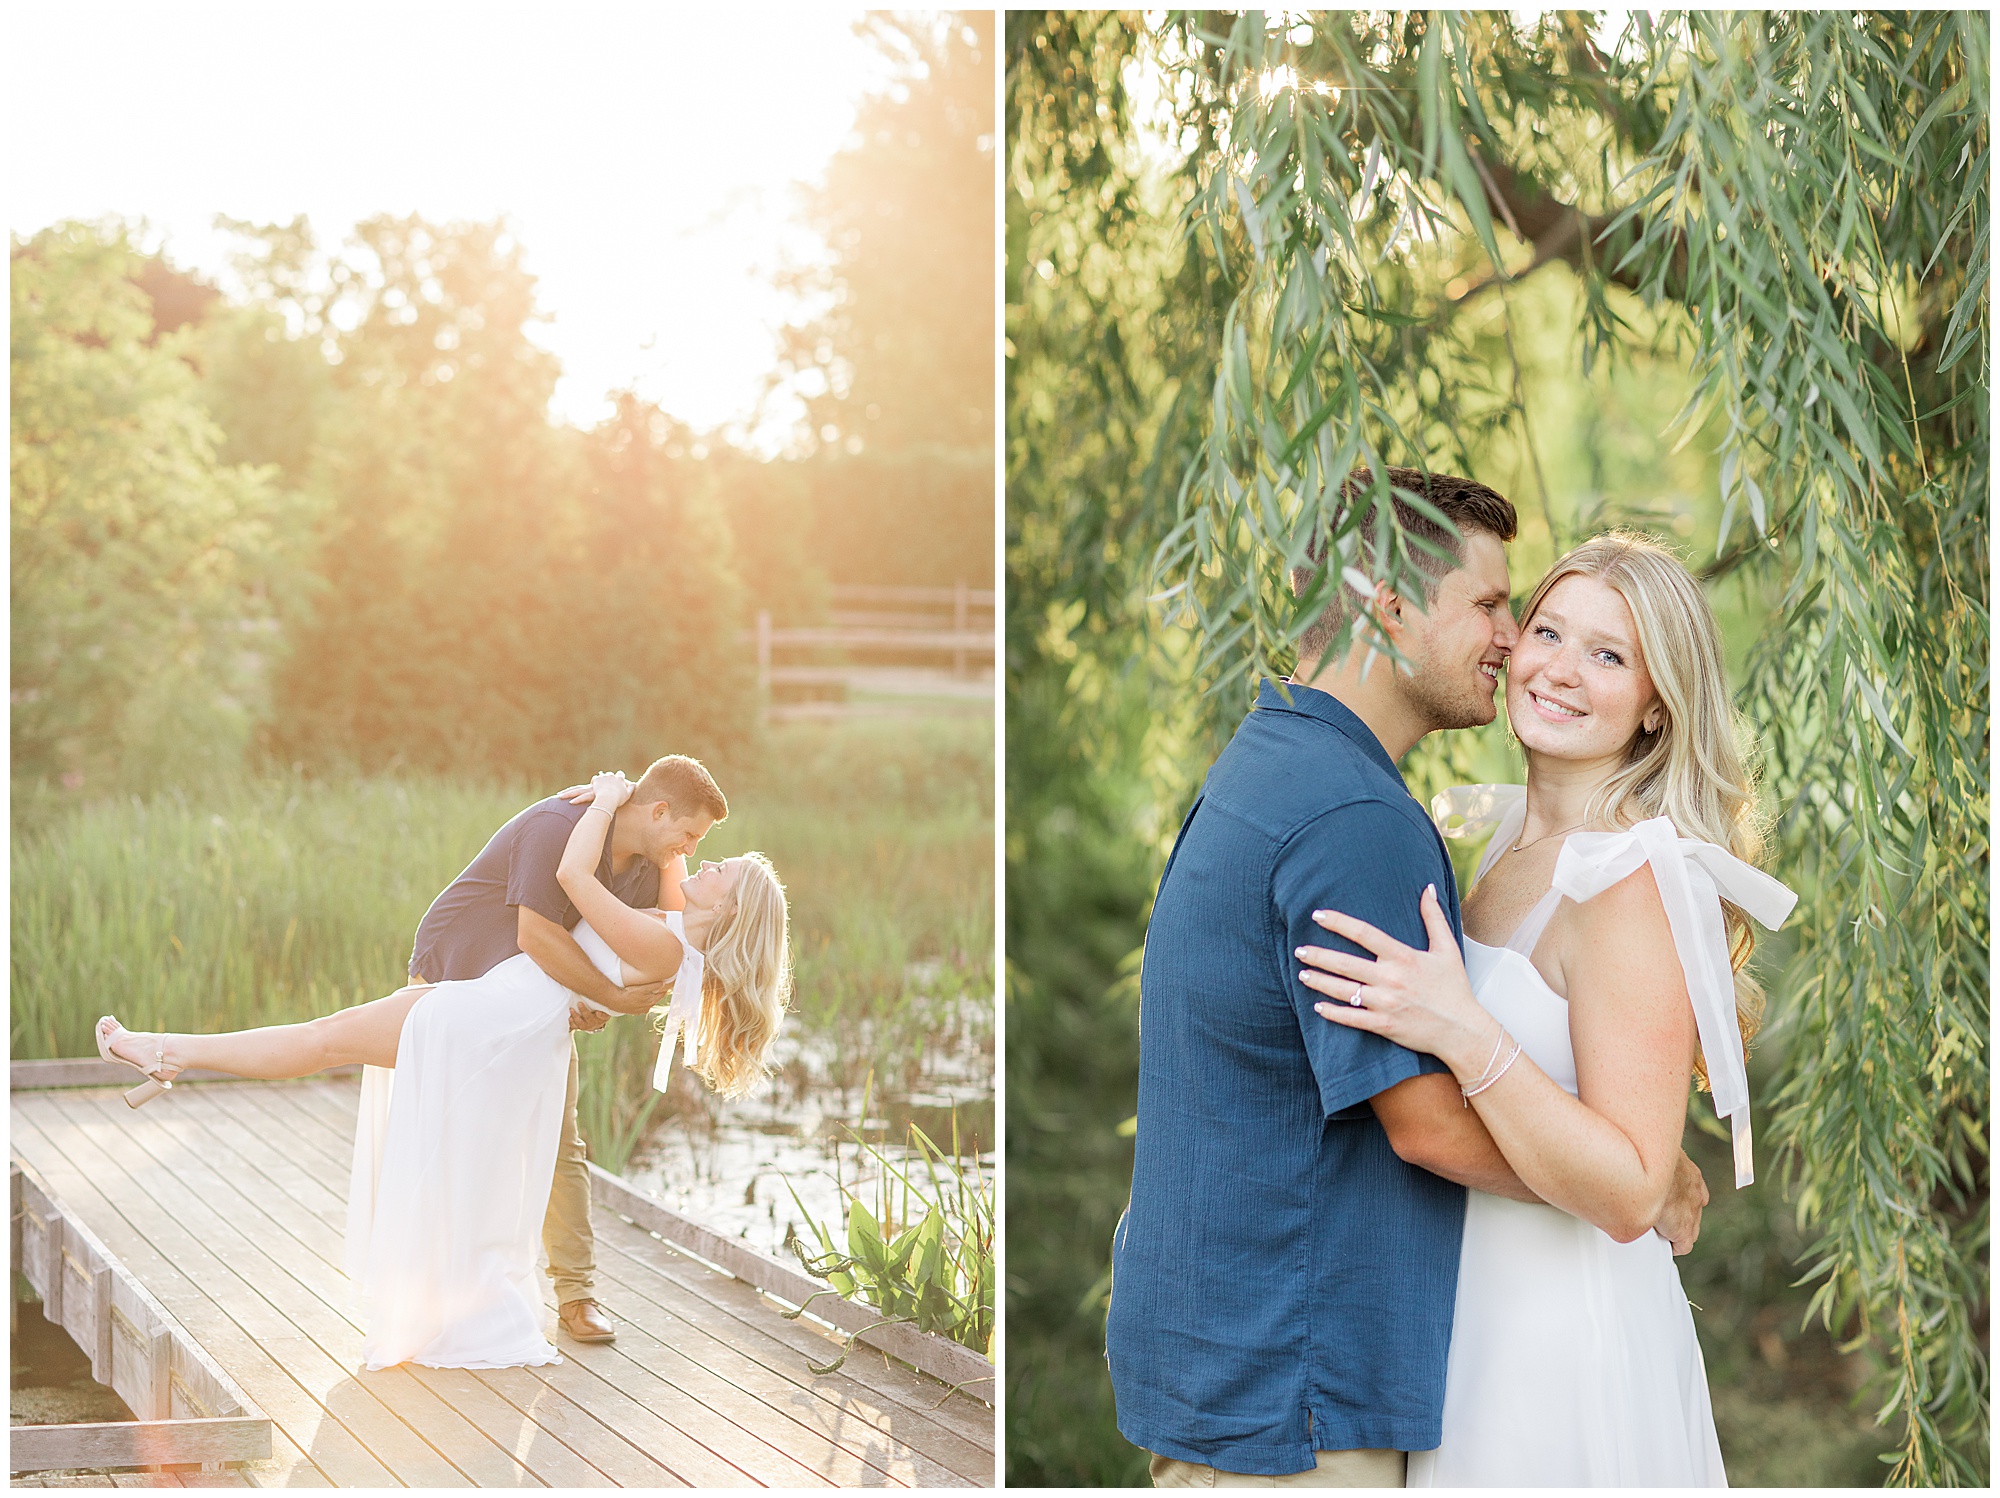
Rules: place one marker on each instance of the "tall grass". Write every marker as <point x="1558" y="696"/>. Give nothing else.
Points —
<point x="257" y="901"/>
<point x="263" y="900"/>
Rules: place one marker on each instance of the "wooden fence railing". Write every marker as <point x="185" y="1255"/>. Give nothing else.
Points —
<point x="923" y="625"/>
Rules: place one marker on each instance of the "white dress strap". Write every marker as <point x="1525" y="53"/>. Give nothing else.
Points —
<point x="1694" y="877"/>
<point x="1534" y="923"/>
<point x="684" y="1010"/>
<point x="1464" y="810"/>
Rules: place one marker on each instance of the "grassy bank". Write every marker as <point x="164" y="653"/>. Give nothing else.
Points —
<point x="263" y="900"/>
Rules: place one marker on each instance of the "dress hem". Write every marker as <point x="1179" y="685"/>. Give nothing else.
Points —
<point x="553" y="1358"/>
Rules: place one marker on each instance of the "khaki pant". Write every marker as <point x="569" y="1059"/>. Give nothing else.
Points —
<point x="1336" y="1469"/>
<point x="566" y="1230"/>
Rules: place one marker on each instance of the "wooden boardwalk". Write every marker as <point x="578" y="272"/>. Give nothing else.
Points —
<point x="228" y="1202"/>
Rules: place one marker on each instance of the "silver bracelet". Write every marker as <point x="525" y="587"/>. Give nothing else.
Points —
<point x="1474" y="1092"/>
<point x="605" y="809"/>
<point x="1499" y="1040"/>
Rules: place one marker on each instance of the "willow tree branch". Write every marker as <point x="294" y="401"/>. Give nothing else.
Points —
<point x="1556" y="230"/>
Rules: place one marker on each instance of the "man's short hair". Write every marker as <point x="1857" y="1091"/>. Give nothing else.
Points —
<point x="1471" y="506"/>
<point x="684" y="784"/>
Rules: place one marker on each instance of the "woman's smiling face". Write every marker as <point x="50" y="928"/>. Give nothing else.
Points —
<point x="1577" y="686"/>
<point x="710" y="885"/>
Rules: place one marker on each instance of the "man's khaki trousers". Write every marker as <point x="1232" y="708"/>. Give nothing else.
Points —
<point x="566" y="1230"/>
<point x="1336" y="1469"/>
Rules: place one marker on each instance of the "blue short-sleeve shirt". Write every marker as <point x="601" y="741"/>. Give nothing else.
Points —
<point x="1282" y="1282"/>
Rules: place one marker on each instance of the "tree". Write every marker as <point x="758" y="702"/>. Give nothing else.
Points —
<point x="497" y="594"/>
<point x="143" y="560"/>
<point x="1796" y="206"/>
<point x="897" y="372"/>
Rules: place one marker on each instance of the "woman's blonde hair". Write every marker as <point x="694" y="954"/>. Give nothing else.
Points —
<point x="1691" y="770"/>
<point x="747" y="983"/>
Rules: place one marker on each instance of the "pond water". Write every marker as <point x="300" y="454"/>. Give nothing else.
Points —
<point x="758" y="1168"/>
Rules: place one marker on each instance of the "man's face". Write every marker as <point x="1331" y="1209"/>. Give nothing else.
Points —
<point x="1459" y="646"/>
<point x="672" y="836"/>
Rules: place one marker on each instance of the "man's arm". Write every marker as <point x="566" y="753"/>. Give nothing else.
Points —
<point x="556" y="953"/>
<point x="1430" y="1127"/>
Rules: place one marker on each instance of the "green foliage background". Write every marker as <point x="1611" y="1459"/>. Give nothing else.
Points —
<point x="326" y="521"/>
<point x="1720" y="277"/>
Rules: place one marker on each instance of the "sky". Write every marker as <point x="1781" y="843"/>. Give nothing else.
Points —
<point x="645" y="155"/>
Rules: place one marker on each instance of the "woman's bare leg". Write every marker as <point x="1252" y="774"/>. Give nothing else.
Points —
<point x="367" y="1033"/>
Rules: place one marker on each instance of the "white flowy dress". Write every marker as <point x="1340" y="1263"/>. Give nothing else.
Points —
<point x="454" y="1156"/>
<point x="1573" y="1358"/>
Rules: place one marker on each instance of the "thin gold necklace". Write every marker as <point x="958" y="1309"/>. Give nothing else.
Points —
<point x="1523" y="847"/>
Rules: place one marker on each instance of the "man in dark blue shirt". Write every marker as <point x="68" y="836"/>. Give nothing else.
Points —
<point x="508" y="901"/>
<point x="1284" y="1277"/>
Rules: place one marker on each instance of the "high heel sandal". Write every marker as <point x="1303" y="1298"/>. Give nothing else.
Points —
<point x="155" y="1084"/>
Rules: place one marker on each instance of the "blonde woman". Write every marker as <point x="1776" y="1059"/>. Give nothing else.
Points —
<point x="463" y="1097"/>
<point x="1606" y="930"/>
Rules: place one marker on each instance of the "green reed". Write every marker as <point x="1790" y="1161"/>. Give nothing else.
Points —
<point x="923" y="1254"/>
<point x="263" y="900"/>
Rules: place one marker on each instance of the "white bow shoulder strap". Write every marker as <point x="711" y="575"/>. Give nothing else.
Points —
<point x="1694" y="877"/>
<point x="684" y="1011"/>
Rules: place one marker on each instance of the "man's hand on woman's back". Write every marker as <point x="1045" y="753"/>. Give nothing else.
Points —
<point x="1680" y="1219"/>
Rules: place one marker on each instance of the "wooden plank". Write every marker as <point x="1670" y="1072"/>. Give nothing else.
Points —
<point x="833" y="1406"/>
<point x="289" y="1466"/>
<point x="922" y="641"/>
<point x="311" y="1130"/>
<point x="784" y="1344"/>
<point x="808" y="676"/>
<point x="938" y="1356"/>
<point x="100" y="1351"/>
<point x="317" y="1122"/>
<point x="138" y="1443"/>
<point x="755" y="1434"/>
<point x="690" y="1453"/>
<point x="615" y="1418"/>
<point x="195" y="1312"/>
<point x="746" y="1322"/>
<point x="749" y="1433"/>
<point x="40" y="1260"/>
<point x="743" y="1452"/>
<point x="246" y="1155"/>
<point x="159" y="1365"/>
<point x="543" y="1434"/>
<point x="889" y="593"/>
<point x="965" y="1417"/>
<point x="111" y="1314"/>
<point x="890" y="619"/>
<point x="289" y="1377"/>
<point x="807" y="1454"/>
<point x="78" y="1259"/>
<point x="95" y="1071"/>
<point x="836" y="1407"/>
<point x="324" y="1109"/>
<point x="431" y="1439"/>
<point x="272" y="1171"/>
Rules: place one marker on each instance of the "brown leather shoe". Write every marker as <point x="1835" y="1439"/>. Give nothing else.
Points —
<point x="585" y="1322"/>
